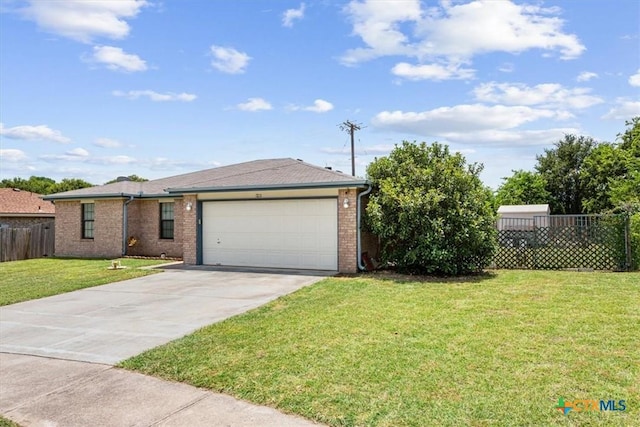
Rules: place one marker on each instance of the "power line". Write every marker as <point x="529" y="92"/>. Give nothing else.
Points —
<point x="351" y="127"/>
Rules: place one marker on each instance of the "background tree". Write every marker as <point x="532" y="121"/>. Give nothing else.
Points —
<point x="630" y="139"/>
<point x="35" y="184"/>
<point x="626" y="191"/>
<point x="522" y="188"/>
<point x="611" y="172"/>
<point x="604" y="165"/>
<point x="561" y="167"/>
<point x="431" y="211"/>
<point x="134" y="178"/>
<point x="44" y="185"/>
<point x="68" y="184"/>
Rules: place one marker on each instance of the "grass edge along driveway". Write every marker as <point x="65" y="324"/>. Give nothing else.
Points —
<point x="43" y="277"/>
<point x="494" y="350"/>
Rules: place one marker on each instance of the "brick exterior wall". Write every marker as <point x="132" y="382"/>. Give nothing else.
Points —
<point x="347" y="232"/>
<point x="189" y="233"/>
<point x="144" y="226"/>
<point x="107" y="241"/>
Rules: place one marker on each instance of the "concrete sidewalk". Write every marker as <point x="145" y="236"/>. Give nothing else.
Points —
<point x="42" y="392"/>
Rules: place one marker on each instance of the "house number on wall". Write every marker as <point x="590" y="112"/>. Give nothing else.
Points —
<point x="258" y="196"/>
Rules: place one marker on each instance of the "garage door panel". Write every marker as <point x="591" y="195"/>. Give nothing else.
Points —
<point x="271" y="233"/>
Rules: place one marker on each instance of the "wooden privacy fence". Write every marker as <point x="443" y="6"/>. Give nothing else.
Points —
<point x="36" y="241"/>
<point x="598" y="242"/>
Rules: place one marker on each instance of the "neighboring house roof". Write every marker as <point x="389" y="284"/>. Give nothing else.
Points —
<point x="523" y="209"/>
<point x="14" y="202"/>
<point x="257" y="174"/>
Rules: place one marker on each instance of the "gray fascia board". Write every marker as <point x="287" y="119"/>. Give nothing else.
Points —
<point x="304" y="186"/>
<point x="156" y="196"/>
<point x="90" y="196"/>
<point x="111" y="196"/>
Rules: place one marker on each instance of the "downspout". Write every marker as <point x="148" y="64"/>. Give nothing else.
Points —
<point x="125" y="222"/>
<point x="361" y="266"/>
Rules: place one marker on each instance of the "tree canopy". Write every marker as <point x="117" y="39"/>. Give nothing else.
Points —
<point x="580" y="175"/>
<point x="44" y="185"/>
<point x="523" y="188"/>
<point x="560" y="167"/>
<point x="430" y="210"/>
<point x="134" y="178"/>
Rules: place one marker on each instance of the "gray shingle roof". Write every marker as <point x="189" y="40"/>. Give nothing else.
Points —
<point x="257" y="174"/>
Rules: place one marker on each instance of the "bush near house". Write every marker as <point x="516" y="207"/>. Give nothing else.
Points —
<point x="635" y="241"/>
<point x="431" y="211"/>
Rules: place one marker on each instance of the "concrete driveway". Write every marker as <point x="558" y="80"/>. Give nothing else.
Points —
<point x="107" y="324"/>
<point x="45" y="344"/>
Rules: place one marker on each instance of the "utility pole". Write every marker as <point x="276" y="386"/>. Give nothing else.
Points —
<point x="351" y="128"/>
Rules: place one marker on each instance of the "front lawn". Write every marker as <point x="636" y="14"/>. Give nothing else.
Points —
<point x="500" y="349"/>
<point x="5" y="422"/>
<point x="43" y="277"/>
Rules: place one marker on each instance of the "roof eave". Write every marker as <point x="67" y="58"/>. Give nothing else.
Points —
<point x="303" y="186"/>
<point x="89" y="196"/>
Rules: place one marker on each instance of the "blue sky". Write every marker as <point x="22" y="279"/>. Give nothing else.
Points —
<point x="98" y="89"/>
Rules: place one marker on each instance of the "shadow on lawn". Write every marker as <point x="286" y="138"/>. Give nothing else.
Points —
<point x="394" y="276"/>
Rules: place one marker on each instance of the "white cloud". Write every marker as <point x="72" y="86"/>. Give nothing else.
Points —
<point x="114" y="160"/>
<point x="551" y="95"/>
<point x="432" y="71"/>
<point x="634" y="80"/>
<point x="510" y="137"/>
<point x="585" y="76"/>
<point x="107" y="143"/>
<point x="451" y="122"/>
<point x="39" y="132"/>
<point x="377" y="25"/>
<point x="12" y="155"/>
<point x="116" y="59"/>
<point x="229" y="60"/>
<point x="319" y="106"/>
<point x="255" y="104"/>
<point x="623" y="110"/>
<point x="291" y="15"/>
<point x="78" y="152"/>
<point x="156" y="96"/>
<point x="82" y="156"/>
<point x="84" y="20"/>
<point x="456" y="32"/>
<point x="75" y="155"/>
<point x="465" y="30"/>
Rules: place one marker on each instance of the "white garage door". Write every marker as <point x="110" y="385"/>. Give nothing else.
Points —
<point x="300" y="233"/>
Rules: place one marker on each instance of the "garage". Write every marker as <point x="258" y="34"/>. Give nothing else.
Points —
<point x="291" y="233"/>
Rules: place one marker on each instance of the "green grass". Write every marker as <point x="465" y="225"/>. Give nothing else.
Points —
<point x="43" y="277"/>
<point x="498" y="349"/>
<point x="4" y="422"/>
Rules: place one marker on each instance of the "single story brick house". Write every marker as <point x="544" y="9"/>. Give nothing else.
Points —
<point x="19" y="208"/>
<point x="279" y="213"/>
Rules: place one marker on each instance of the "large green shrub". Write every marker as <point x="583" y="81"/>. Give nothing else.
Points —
<point x="431" y="211"/>
<point x="635" y="241"/>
